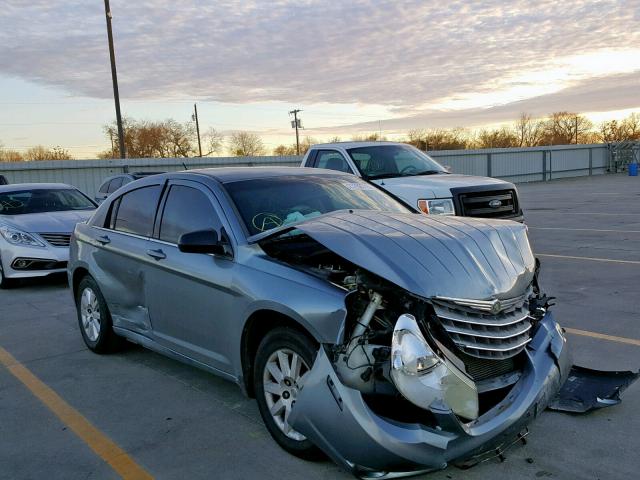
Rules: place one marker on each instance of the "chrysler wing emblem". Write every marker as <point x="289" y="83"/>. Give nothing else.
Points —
<point x="496" y="307"/>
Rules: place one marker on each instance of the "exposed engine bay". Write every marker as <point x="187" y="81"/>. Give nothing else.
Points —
<point x="393" y="337"/>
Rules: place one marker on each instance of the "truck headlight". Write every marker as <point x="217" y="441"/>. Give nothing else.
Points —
<point x="17" y="237"/>
<point x="439" y="206"/>
<point x="424" y="378"/>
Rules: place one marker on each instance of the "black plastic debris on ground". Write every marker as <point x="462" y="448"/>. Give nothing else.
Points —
<point x="587" y="389"/>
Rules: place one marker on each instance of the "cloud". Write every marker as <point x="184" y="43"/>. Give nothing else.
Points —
<point x="411" y="56"/>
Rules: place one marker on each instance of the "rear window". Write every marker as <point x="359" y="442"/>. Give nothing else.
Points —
<point x="23" y="202"/>
<point x="135" y="211"/>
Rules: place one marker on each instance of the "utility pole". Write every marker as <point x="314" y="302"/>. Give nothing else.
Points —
<point x="576" y="129"/>
<point x="296" y="124"/>
<point x="195" y="118"/>
<point x="114" y="78"/>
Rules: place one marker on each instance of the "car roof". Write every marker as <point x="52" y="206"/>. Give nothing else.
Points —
<point x="35" y="186"/>
<point x="235" y="174"/>
<point x="356" y="144"/>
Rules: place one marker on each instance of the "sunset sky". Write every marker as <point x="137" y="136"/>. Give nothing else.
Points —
<point x="353" y="67"/>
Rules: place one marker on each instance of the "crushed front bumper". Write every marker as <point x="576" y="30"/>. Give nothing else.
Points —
<point x="337" y="419"/>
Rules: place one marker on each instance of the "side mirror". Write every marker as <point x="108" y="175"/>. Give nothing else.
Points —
<point x="448" y="168"/>
<point x="202" y="241"/>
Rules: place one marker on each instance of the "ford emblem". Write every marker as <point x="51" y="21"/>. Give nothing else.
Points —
<point x="495" y="203"/>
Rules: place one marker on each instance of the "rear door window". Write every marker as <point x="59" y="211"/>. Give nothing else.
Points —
<point x="104" y="187"/>
<point x="186" y="210"/>
<point x="136" y="211"/>
<point x="115" y="184"/>
<point x="332" y="160"/>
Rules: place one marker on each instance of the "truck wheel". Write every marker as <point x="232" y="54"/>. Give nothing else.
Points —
<point x="283" y="358"/>
<point x="94" y="318"/>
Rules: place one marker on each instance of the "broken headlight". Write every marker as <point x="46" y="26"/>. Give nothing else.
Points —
<point x="424" y="378"/>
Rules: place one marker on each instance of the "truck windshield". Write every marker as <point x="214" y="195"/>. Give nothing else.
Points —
<point x="268" y="203"/>
<point x="386" y="161"/>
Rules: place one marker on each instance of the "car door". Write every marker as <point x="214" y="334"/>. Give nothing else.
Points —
<point x="189" y="294"/>
<point x="122" y="256"/>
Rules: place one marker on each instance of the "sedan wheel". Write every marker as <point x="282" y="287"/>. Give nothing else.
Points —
<point x="90" y="314"/>
<point x="94" y="318"/>
<point x="281" y="366"/>
<point x="282" y="377"/>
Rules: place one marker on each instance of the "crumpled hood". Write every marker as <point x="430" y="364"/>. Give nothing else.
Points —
<point x="430" y="256"/>
<point x="436" y="186"/>
<point x="48" y="222"/>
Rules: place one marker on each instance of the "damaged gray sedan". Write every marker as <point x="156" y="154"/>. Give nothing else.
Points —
<point x="394" y="342"/>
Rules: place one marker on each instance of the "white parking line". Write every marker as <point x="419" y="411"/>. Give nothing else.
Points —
<point x="591" y="259"/>
<point x="584" y="229"/>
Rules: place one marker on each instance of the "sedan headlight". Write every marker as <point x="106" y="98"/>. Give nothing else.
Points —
<point x="439" y="206"/>
<point x="424" y="378"/>
<point x="17" y="237"/>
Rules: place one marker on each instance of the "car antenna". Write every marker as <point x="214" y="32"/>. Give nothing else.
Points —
<point x="185" y="166"/>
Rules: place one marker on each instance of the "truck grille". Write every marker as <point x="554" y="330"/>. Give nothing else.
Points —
<point x="493" y="204"/>
<point x="486" y="329"/>
<point x="57" y="239"/>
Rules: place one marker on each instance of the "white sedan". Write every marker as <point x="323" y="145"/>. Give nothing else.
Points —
<point x="36" y="222"/>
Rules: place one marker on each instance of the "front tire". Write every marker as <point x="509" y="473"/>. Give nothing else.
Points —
<point x="283" y="359"/>
<point x="94" y="318"/>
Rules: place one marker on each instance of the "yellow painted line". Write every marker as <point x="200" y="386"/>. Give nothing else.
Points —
<point x="102" y="445"/>
<point x="584" y="229"/>
<point x="602" y="336"/>
<point x="609" y="260"/>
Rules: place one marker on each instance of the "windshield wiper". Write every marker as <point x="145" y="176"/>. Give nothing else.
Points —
<point x="383" y="175"/>
<point x="425" y="172"/>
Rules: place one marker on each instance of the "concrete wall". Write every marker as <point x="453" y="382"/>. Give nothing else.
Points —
<point x="514" y="164"/>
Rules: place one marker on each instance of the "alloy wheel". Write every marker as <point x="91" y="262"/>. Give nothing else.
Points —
<point x="90" y="314"/>
<point x="282" y="377"/>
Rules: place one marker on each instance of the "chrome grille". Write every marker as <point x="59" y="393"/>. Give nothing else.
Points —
<point x="481" y="330"/>
<point x="57" y="239"/>
<point x="495" y="204"/>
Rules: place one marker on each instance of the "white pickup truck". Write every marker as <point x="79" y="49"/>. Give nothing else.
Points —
<point x="418" y="180"/>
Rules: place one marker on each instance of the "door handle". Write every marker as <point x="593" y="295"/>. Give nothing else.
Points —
<point x="104" y="239"/>
<point x="157" y="254"/>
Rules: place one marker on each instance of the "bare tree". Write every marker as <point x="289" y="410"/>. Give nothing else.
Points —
<point x="7" y="155"/>
<point x="564" y="128"/>
<point x="245" y="144"/>
<point x="214" y="142"/>
<point x="371" y="137"/>
<point x="144" y="139"/>
<point x="306" y="144"/>
<point x="417" y="138"/>
<point x="497" y="138"/>
<point x="284" y="150"/>
<point x="529" y="130"/>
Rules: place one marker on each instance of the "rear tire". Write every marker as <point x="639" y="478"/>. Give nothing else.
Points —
<point x="94" y="318"/>
<point x="282" y="359"/>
